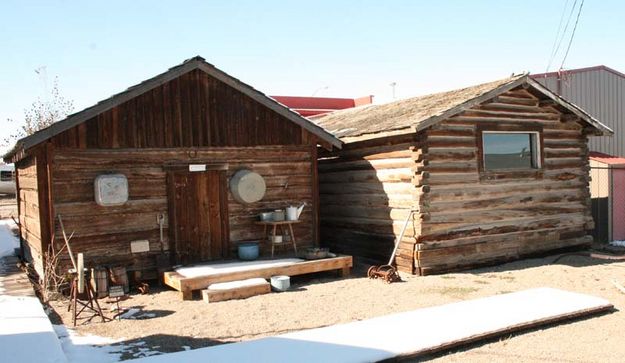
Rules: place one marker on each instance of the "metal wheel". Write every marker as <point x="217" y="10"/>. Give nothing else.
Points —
<point x="371" y="273"/>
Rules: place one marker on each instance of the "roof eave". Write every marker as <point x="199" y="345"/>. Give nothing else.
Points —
<point x="599" y="128"/>
<point x="195" y="63"/>
<point x="271" y="103"/>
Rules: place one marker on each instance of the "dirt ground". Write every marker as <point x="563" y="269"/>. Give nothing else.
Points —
<point x="166" y="323"/>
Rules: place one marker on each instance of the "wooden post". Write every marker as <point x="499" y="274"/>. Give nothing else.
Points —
<point x="69" y="249"/>
<point x="81" y="273"/>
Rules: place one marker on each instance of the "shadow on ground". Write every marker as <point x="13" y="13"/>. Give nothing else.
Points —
<point x="576" y="258"/>
<point x="160" y="344"/>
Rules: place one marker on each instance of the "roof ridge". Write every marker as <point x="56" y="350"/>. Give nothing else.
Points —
<point x="414" y="98"/>
<point x="197" y="62"/>
<point x="600" y="67"/>
<point x="417" y="113"/>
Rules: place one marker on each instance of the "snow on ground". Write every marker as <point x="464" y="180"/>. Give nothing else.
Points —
<point x="229" y="267"/>
<point x="8" y="241"/>
<point x="366" y="341"/>
<point x="236" y="284"/>
<point x="95" y="349"/>
<point x="618" y="243"/>
<point x="26" y="334"/>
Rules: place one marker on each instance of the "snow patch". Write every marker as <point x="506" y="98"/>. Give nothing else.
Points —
<point x="87" y="348"/>
<point x="8" y="241"/>
<point x="228" y="267"/>
<point x="130" y="313"/>
<point x="618" y="243"/>
<point x="96" y="349"/>
<point x="237" y="284"/>
<point x="26" y="334"/>
<point x="360" y="341"/>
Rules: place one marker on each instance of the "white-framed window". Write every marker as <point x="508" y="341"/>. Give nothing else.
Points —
<point x="511" y="150"/>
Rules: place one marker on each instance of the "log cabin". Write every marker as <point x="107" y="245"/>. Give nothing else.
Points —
<point x="151" y="166"/>
<point x="493" y="172"/>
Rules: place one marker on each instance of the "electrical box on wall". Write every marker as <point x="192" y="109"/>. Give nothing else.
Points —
<point x="111" y="189"/>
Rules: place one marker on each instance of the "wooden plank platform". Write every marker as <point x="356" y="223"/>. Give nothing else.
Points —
<point x="198" y="277"/>
<point x="407" y="334"/>
<point x="223" y="291"/>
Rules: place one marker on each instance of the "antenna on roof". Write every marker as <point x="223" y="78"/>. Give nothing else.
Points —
<point x="319" y="89"/>
<point x="393" y="84"/>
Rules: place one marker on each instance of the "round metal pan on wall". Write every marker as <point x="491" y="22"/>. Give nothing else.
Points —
<point x="247" y="186"/>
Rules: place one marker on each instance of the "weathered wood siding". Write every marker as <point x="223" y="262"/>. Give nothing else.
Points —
<point x="467" y="217"/>
<point x="366" y="192"/>
<point x="105" y="233"/>
<point x="472" y="219"/>
<point x="29" y="212"/>
<point x="191" y="119"/>
<point x="193" y="110"/>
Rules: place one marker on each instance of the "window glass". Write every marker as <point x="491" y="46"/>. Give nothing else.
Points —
<point x="510" y="150"/>
<point x="7" y="175"/>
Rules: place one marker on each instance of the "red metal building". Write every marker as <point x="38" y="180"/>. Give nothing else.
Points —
<point x="317" y="106"/>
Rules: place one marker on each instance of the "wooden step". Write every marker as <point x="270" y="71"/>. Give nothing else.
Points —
<point x="235" y="290"/>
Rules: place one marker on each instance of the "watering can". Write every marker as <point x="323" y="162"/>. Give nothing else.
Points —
<point x="293" y="213"/>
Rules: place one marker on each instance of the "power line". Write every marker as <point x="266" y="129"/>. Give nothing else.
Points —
<point x="566" y="27"/>
<point x="555" y="41"/>
<point x="579" y="12"/>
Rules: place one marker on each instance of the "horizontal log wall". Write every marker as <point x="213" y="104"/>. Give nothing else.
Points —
<point x="472" y="218"/>
<point x="105" y="233"/>
<point x="29" y="212"/>
<point x="366" y="192"/>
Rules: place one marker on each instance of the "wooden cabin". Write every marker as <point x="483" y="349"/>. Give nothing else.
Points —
<point x="176" y="139"/>
<point x="495" y="172"/>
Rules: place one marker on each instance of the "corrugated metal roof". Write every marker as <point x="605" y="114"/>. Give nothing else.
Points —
<point x="600" y="91"/>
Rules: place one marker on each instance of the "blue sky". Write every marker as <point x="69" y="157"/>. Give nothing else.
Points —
<point x="353" y="48"/>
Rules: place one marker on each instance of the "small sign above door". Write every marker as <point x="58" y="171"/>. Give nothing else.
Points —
<point x="197" y="167"/>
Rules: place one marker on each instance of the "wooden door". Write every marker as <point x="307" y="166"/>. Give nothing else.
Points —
<point x="198" y="215"/>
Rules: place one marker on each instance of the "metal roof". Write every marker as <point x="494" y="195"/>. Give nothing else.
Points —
<point x="578" y="70"/>
<point x="600" y="91"/>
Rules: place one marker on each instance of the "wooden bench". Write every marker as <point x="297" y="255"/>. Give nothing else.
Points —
<point x="235" y="290"/>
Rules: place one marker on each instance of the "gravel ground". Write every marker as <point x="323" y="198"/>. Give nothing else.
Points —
<point x="320" y="300"/>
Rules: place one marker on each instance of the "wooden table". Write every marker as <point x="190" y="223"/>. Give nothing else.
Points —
<point x="275" y="225"/>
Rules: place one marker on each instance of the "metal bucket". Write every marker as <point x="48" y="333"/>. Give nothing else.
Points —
<point x="248" y="251"/>
<point x="278" y="215"/>
<point x="280" y="283"/>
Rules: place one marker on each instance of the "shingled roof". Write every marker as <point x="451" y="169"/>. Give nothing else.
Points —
<point x="188" y="65"/>
<point x="418" y="113"/>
